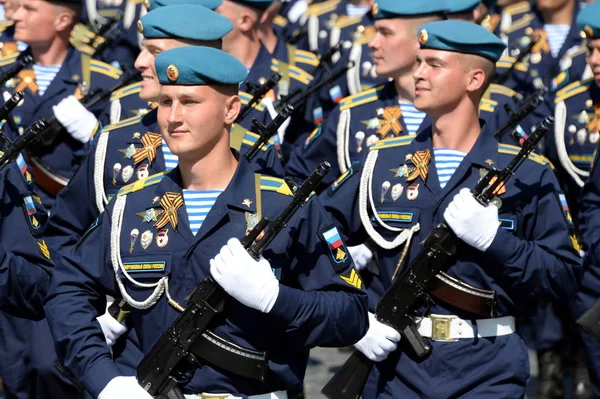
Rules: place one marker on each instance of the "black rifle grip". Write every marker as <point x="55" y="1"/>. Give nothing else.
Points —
<point x="412" y="337"/>
<point x="350" y="380"/>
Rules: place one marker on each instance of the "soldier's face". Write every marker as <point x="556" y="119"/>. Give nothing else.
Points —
<point x="594" y="58"/>
<point x="194" y="120"/>
<point x="394" y="47"/>
<point x="35" y="22"/>
<point x="145" y="64"/>
<point x="439" y="81"/>
<point x="551" y="5"/>
<point x="10" y="6"/>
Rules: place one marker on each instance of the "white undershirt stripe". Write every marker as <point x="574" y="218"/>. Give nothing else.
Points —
<point x="557" y="34"/>
<point x="44" y="74"/>
<point x="446" y="163"/>
<point x="198" y="204"/>
<point x="171" y="159"/>
<point x="412" y="117"/>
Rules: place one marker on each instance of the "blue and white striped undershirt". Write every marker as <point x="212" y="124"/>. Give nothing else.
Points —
<point x="44" y="74"/>
<point x="412" y="116"/>
<point x="198" y="204"/>
<point x="171" y="159"/>
<point x="353" y="10"/>
<point x="446" y="162"/>
<point x="557" y="34"/>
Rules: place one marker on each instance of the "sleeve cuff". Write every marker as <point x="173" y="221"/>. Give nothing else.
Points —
<point x="287" y="304"/>
<point x="503" y="246"/>
<point x="99" y="374"/>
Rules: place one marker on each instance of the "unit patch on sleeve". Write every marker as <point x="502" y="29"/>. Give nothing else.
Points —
<point x="338" y="253"/>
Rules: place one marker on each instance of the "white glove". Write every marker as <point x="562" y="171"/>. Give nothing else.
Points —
<point x="78" y="121"/>
<point x="361" y="255"/>
<point x="111" y="328"/>
<point x="379" y="342"/>
<point x="123" y="388"/>
<point x="250" y="282"/>
<point x="473" y="223"/>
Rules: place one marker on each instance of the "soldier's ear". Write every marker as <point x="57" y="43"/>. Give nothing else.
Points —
<point x="476" y="80"/>
<point x="64" y="21"/>
<point x="233" y="106"/>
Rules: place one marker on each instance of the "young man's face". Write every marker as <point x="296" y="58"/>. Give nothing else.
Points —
<point x="552" y="5"/>
<point x="394" y="47"/>
<point x="35" y="22"/>
<point x="193" y="119"/>
<point x="593" y="46"/>
<point x="440" y="81"/>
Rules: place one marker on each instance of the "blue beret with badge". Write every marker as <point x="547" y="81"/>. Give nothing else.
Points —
<point x="588" y="20"/>
<point x="198" y="65"/>
<point x="459" y="6"/>
<point x="154" y="4"/>
<point x="461" y="37"/>
<point x="260" y="4"/>
<point x="184" y="21"/>
<point x="383" y="9"/>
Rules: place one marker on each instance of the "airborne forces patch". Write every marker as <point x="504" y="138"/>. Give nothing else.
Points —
<point x="338" y="253"/>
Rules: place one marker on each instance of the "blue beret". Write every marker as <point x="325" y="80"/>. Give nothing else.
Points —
<point x="184" y="21"/>
<point x="588" y="20"/>
<point x="461" y="37"/>
<point x="260" y="4"/>
<point x="198" y="65"/>
<point x="458" y="6"/>
<point x="383" y="9"/>
<point x="154" y="4"/>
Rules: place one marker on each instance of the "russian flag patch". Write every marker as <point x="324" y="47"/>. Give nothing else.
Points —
<point x="338" y="252"/>
<point x="335" y="93"/>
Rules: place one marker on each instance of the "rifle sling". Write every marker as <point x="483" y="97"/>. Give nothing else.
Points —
<point x="462" y="295"/>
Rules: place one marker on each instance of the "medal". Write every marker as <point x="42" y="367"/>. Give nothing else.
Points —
<point x="412" y="192"/>
<point x="397" y="191"/>
<point x="162" y="238"/>
<point x="360" y="138"/>
<point x="170" y="202"/>
<point x="384" y="189"/>
<point x="127" y="173"/>
<point x="134" y="235"/>
<point x="372" y="139"/>
<point x="581" y="136"/>
<point x="421" y="161"/>
<point x="142" y="171"/>
<point x="146" y="239"/>
<point x="116" y="170"/>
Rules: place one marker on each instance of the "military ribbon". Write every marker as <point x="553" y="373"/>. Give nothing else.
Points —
<point x="421" y="161"/>
<point x="27" y="81"/>
<point x="390" y="121"/>
<point x="541" y="45"/>
<point x="151" y="142"/>
<point x="594" y="124"/>
<point x="170" y="202"/>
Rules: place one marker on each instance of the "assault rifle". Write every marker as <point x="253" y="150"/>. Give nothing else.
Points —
<point x="22" y="63"/>
<point x="258" y="93"/>
<point x="500" y="79"/>
<point x="184" y="344"/>
<point x="516" y="115"/>
<point x="400" y="303"/>
<point x="266" y="132"/>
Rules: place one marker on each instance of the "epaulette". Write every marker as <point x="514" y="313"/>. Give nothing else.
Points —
<point x="125" y="91"/>
<point x="140" y="184"/>
<point x="306" y="57"/>
<point x="295" y="72"/>
<point x="82" y="32"/>
<point x="125" y="122"/>
<point x="507" y="62"/>
<point x="573" y="89"/>
<point x="491" y="22"/>
<point x="250" y="139"/>
<point x="246" y="97"/>
<point x="9" y="59"/>
<point x="518" y="8"/>
<point x="5" y="24"/>
<point x="105" y="69"/>
<point x="487" y="105"/>
<point x="393" y="142"/>
<point x="322" y="8"/>
<point x="280" y="21"/>
<point x="345" y="21"/>
<point x="500" y="89"/>
<point x="363" y="97"/>
<point x="268" y="183"/>
<point x="521" y="23"/>
<point x="514" y="150"/>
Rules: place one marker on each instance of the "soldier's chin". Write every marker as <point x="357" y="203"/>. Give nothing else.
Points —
<point x="422" y="103"/>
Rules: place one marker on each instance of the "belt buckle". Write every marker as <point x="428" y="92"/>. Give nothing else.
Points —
<point x="441" y="328"/>
<point x="216" y="396"/>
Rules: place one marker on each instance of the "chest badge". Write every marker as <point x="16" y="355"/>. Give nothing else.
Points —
<point x="421" y="161"/>
<point x="412" y="192"/>
<point x="170" y="203"/>
<point x="151" y="142"/>
<point x="384" y="189"/>
<point x="390" y="121"/>
<point x="133" y="238"/>
<point x="397" y="190"/>
<point x="162" y="238"/>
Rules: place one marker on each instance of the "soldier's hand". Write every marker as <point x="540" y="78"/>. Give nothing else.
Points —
<point x="250" y="282"/>
<point x="111" y="328"/>
<point x="78" y="121"/>
<point x="124" y="388"/>
<point x="361" y="255"/>
<point x="471" y="222"/>
<point x="379" y="342"/>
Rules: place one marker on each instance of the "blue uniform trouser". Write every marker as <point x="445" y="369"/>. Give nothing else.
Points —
<point x="547" y="327"/>
<point x="28" y="361"/>
<point x="483" y="368"/>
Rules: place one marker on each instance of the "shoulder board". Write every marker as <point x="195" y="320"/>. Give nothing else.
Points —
<point x="141" y="184"/>
<point x="393" y="142"/>
<point x="518" y="8"/>
<point x="105" y="69"/>
<point x="125" y="122"/>
<point x="268" y="183"/>
<point x="506" y="62"/>
<point x="246" y="97"/>
<point x="487" y="105"/>
<point x="250" y="139"/>
<point x="295" y="72"/>
<point x="306" y="57"/>
<point x="5" y="24"/>
<point x="82" y="32"/>
<point x="514" y="150"/>
<point x="125" y="91"/>
<point x="521" y="23"/>
<point x="81" y="47"/>
<point x="9" y="59"/>
<point x="571" y="90"/>
<point x="322" y="8"/>
<point x="363" y="97"/>
<point x="499" y="89"/>
<point x="345" y="21"/>
<point x="280" y="21"/>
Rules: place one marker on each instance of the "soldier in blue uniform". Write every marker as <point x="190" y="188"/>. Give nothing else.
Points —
<point x="519" y="247"/>
<point x="8" y="45"/>
<point x="291" y="300"/>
